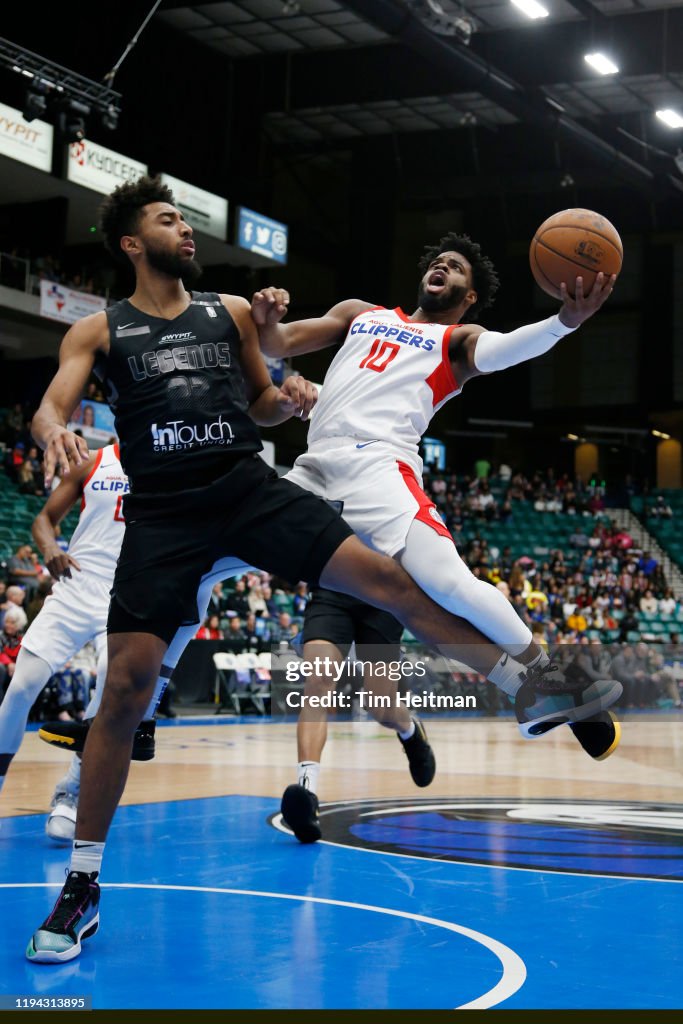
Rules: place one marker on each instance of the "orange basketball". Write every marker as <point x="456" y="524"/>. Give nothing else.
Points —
<point x="574" y="243"/>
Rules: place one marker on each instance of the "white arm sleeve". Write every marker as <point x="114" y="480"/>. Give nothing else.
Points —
<point x="496" y="351"/>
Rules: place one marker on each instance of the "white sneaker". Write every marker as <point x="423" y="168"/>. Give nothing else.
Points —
<point x="61" y="824"/>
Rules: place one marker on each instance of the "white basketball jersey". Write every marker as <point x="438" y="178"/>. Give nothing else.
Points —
<point x="96" y="541"/>
<point x="387" y="380"/>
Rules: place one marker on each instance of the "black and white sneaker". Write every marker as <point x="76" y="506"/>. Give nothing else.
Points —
<point x="299" y="809"/>
<point x="72" y="736"/>
<point x="421" y="760"/>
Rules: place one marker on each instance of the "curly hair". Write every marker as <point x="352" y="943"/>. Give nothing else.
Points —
<point x="485" y="280"/>
<point x="120" y="212"/>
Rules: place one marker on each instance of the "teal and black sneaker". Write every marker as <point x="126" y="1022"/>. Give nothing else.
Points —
<point x="547" y="699"/>
<point x="75" y="917"/>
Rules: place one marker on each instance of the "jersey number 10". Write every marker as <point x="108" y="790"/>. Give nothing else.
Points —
<point x="380" y="355"/>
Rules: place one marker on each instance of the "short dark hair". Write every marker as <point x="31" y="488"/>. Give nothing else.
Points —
<point x="120" y="211"/>
<point x="485" y="280"/>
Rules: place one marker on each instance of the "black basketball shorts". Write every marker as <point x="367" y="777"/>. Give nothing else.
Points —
<point x="344" y="620"/>
<point x="171" y="540"/>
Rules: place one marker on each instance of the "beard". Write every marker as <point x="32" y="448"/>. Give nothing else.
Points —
<point x="174" y="265"/>
<point x="437" y="303"/>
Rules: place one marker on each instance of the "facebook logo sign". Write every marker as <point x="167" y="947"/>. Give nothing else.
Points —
<point x="261" y="234"/>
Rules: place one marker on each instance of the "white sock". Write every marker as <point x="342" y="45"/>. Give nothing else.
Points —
<point x="86" y="856"/>
<point x="506" y="674"/>
<point x="307" y="774"/>
<point x="409" y="732"/>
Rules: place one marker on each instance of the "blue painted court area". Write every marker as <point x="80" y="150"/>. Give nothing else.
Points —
<point x="206" y="904"/>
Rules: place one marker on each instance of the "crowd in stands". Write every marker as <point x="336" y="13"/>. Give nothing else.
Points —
<point x="596" y="588"/>
<point x="19" y="266"/>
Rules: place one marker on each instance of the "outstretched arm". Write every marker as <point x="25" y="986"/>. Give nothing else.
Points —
<point x="64" y="449"/>
<point x="62" y="499"/>
<point x="270" y="305"/>
<point x="268" y="404"/>
<point x="474" y="350"/>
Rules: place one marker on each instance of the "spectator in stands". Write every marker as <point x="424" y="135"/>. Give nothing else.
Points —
<point x="648" y="603"/>
<point x="668" y="603"/>
<point x="217" y="602"/>
<point x="21" y="570"/>
<point x="235" y="639"/>
<point x="646" y="563"/>
<point x="482" y="468"/>
<point x="14" y="460"/>
<point x="10" y="643"/>
<point x="271" y="608"/>
<point x="73" y="692"/>
<point x="284" y="630"/>
<point x="12" y="424"/>
<point x="238" y="601"/>
<point x="660" y="510"/>
<point x="256" y="600"/>
<point x="577" y="621"/>
<point x="14" y="597"/>
<point x="663" y="679"/>
<point x="300" y="600"/>
<point x="34" y="606"/>
<point x="256" y="633"/>
<point x="211" y="629"/>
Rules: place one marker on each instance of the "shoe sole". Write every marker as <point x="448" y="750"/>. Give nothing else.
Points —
<point x="140" y="753"/>
<point x="48" y="956"/>
<point x="613" y="745"/>
<point x="579" y="714"/>
<point x="296" y="815"/>
<point x="60" y="840"/>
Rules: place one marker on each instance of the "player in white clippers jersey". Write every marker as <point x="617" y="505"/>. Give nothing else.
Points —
<point x="75" y="613"/>
<point x="391" y="374"/>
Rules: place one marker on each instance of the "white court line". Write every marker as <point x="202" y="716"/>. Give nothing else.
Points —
<point x="514" y="969"/>
<point x="277" y="823"/>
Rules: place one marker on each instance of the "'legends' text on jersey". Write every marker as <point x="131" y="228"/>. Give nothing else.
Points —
<point x="177" y="391"/>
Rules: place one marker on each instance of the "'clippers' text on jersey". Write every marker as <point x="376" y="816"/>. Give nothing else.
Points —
<point x="387" y="380"/>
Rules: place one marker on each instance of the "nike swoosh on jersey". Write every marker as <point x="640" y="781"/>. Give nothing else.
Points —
<point x="122" y="327"/>
<point x="366" y="443"/>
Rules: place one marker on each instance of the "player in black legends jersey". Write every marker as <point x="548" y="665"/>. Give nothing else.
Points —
<point x="187" y="383"/>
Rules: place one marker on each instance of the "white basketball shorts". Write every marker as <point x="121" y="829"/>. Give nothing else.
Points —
<point x="75" y="612"/>
<point x="380" y="487"/>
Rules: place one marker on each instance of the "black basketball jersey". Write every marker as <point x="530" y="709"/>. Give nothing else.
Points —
<point x="177" y="392"/>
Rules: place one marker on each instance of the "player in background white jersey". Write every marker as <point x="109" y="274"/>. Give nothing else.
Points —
<point x="75" y="613"/>
<point x="391" y="374"/>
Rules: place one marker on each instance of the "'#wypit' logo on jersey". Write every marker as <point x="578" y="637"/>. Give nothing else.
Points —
<point x="178" y="435"/>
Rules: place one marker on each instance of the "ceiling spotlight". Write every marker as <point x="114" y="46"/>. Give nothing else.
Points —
<point x="566" y="181"/>
<point x="35" y="105"/>
<point x="71" y="120"/>
<point x="445" y="18"/>
<point x="531" y="8"/>
<point x="662" y="435"/>
<point x="671" y="118"/>
<point x="600" y="63"/>
<point x="110" y="118"/>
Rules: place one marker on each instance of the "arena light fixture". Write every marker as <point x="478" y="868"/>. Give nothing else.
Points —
<point x="572" y="437"/>
<point x="531" y="8"/>
<point x="601" y="63"/>
<point x="661" y="435"/>
<point x="671" y="118"/>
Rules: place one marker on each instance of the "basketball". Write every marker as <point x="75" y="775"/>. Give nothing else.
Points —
<point x="573" y="243"/>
